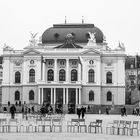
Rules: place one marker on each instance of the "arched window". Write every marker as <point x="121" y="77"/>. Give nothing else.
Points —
<point x="91" y="96"/>
<point x="62" y="75"/>
<point x="17" y="96"/>
<point x="31" y="95"/>
<point x="109" y="96"/>
<point x="17" y="77"/>
<point x="32" y="75"/>
<point x="91" y="76"/>
<point x="109" y="77"/>
<point x="50" y="75"/>
<point x="74" y="75"/>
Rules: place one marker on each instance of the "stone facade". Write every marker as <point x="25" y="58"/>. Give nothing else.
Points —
<point x="64" y="74"/>
<point x="132" y="78"/>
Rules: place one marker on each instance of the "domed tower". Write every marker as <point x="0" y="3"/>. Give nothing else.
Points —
<point x="80" y="33"/>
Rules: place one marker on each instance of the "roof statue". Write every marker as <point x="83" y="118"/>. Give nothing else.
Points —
<point x="92" y="36"/>
<point x="6" y="47"/>
<point x="33" y="41"/>
<point x="104" y="38"/>
<point x="121" y="46"/>
<point x="92" y="39"/>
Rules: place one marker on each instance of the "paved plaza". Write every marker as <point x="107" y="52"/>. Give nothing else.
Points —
<point x="73" y="136"/>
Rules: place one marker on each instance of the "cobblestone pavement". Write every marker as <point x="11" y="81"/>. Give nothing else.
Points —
<point x="72" y="136"/>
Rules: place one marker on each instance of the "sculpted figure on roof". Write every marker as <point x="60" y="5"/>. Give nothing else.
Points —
<point x="33" y="41"/>
<point x="92" y="37"/>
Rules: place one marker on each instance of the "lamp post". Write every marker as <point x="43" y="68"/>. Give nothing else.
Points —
<point x="112" y="101"/>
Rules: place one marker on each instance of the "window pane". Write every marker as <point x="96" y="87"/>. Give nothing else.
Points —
<point x="17" y="96"/>
<point x="74" y="75"/>
<point x="91" y="76"/>
<point x="109" y="77"/>
<point x="17" y="77"/>
<point x="50" y="75"/>
<point x="91" y="96"/>
<point x="62" y="75"/>
<point x="109" y="96"/>
<point x="31" y="95"/>
<point x="32" y="75"/>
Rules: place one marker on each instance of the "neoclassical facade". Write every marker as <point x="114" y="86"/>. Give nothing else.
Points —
<point x="72" y="65"/>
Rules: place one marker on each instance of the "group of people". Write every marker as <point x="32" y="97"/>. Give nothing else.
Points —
<point x="46" y="109"/>
<point x="81" y="112"/>
<point x="136" y="111"/>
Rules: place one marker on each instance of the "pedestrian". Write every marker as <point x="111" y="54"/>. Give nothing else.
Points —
<point x="33" y="110"/>
<point x="88" y="108"/>
<point x="83" y="110"/>
<point x="22" y="110"/>
<point x="12" y="111"/>
<point x="78" y="112"/>
<point x="124" y="110"/>
<point x="26" y="112"/>
<point x="107" y="110"/>
<point x="137" y="111"/>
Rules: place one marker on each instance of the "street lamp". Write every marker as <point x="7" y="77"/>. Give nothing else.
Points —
<point x="112" y="101"/>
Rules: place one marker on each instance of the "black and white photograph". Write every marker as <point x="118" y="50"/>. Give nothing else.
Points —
<point x="69" y="70"/>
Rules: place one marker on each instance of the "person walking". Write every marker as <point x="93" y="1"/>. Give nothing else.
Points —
<point x="107" y="110"/>
<point x="78" y="112"/>
<point x="83" y="110"/>
<point x="12" y="111"/>
<point x="33" y="110"/>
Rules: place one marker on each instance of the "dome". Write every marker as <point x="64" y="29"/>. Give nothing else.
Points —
<point x="80" y="32"/>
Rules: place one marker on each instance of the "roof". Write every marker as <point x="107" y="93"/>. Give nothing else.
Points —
<point x="69" y="42"/>
<point x="58" y="32"/>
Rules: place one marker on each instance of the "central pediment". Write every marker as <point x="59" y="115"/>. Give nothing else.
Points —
<point x="91" y="52"/>
<point x="31" y="52"/>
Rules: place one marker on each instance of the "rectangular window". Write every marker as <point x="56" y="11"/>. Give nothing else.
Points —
<point x="132" y="83"/>
<point x="32" y="79"/>
<point x="1" y="73"/>
<point x="0" y="81"/>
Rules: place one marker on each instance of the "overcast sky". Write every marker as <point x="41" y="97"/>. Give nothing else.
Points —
<point x="119" y="20"/>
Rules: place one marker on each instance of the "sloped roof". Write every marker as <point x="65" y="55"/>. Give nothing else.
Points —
<point x="58" y="32"/>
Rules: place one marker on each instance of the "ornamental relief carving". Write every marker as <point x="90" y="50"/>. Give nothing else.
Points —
<point x="94" y="59"/>
<point x="17" y="62"/>
<point x="32" y="58"/>
<point x="31" y="66"/>
<point x="109" y="68"/>
<point x="109" y="62"/>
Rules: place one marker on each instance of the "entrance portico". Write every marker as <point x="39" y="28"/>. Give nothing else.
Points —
<point x="61" y="95"/>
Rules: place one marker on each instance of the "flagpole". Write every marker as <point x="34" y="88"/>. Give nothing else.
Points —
<point x="41" y="67"/>
<point x="79" y="60"/>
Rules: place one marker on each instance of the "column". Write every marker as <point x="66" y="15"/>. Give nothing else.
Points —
<point x="76" y="97"/>
<point x="67" y="70"/>
<point x="42" y="96"/>
<point x="51" y="96"/>
<point x="64" y="96"/>
<point x="43" y="71"/>
<point x="80" y="95"/>
<point x="39" y="96"/>
<point x="54" y="99"/>
<point x="55" y="70"/>
<point x="79" y="72"/>
<point x="67" y="96"/>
